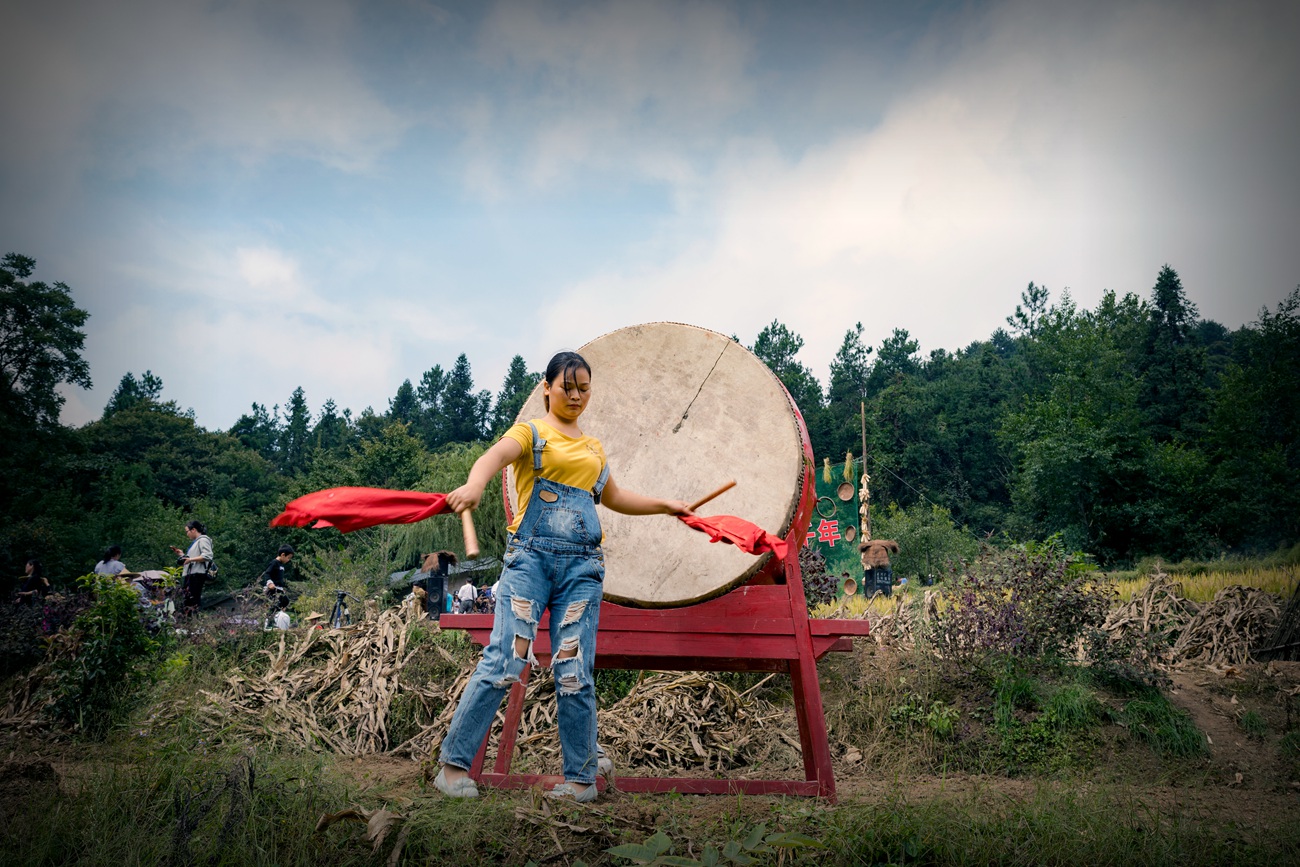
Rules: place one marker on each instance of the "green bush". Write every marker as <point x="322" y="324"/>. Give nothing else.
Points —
<point x="1033" y="601"/>
<point x="929" y="543"/>
<point x="108" y="646"/>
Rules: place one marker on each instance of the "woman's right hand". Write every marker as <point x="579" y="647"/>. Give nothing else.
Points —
<point x="467" y="496"/>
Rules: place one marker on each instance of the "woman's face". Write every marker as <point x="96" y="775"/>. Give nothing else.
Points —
<point x="191" y="533"/>
<point x="29" y="568"/>
<point x="568" y="404"/>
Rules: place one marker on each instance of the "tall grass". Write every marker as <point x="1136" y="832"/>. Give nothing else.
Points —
<point x="264" y="810"/>
<point x="1204" y="586"/>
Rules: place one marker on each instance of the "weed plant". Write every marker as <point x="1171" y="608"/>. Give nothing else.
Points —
<point x="1030" y="601"/>
<point x="1253" y="724"/>
<point x="1169" y="731"/>
<point x="106" y="662"/>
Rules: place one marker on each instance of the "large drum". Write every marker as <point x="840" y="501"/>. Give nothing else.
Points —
<point x="681" y="410"/>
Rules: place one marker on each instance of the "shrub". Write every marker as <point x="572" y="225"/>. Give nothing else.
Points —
<point x="108" y="644"/>
<point x="930" y="544"/>
<point x="1030" y="601"/>
<point x="25" y="629"/>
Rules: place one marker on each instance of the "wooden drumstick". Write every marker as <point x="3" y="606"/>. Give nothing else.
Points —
<point x="719" y="492"/>
<point x="471" y="537"/>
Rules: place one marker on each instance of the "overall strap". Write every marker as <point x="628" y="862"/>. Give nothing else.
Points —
<point x="600" y="483"/>
<point x="538" y="445"/>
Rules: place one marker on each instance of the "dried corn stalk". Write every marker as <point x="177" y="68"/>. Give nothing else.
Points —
<point x="325" y="689"/>
<point x="1159" y="615"/>
<point x="1224" y="631"/>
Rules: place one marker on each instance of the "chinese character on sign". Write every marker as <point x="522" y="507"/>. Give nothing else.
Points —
<point x="828" y="532"/>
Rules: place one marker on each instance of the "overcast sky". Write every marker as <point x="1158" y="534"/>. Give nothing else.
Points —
<point x="252" y="196"/>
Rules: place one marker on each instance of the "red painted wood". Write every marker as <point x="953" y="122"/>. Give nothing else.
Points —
<point x="510" y="728"/>
<point x="683" y="785"/>
<point x="751" y="628"/>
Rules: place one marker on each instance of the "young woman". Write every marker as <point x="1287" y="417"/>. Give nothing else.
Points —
<point x="112" y="563"/>
<point x="553" y="560"/>
<point x="35" y="584"/>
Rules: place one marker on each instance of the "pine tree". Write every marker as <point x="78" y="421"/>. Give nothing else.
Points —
<point x="518" y="384"/>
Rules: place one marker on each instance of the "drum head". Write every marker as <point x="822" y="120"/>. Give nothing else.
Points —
<point x="680" y="410"/>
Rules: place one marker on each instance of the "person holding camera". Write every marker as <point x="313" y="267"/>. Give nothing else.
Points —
<point x="195" y="563"/>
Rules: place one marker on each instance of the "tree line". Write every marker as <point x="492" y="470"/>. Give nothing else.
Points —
<point x="1135" y="428"/>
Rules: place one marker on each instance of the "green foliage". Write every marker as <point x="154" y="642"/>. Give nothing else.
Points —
<point x="1165" y="728"/>
<point x="518" y="384"/>
<point x="930" y="544"/>
<point x="360" y="570"/>
<point x="756" y="847"/>
<point x="446" y="470"/>
<point x="109" y="650"/>
<point x="1029" y="601"/>
<point x="25" y="630"/>
<point x="131" y="392"/>
<point x="1042" y="724"/>
<point x="915" y="713"/>
<point x="1253" y="724"/>
<point x="41" y="339"/>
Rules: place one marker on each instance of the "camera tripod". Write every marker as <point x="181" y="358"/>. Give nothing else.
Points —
<point x="341" y="616"/>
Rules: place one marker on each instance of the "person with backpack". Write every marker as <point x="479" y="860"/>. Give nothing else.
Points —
<point x="195" y="563"/>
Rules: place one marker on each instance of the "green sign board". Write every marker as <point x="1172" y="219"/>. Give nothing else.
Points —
<point x="835" y="529"/>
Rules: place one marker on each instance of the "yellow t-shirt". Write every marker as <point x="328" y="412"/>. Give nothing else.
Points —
<point x="576" y="462"/>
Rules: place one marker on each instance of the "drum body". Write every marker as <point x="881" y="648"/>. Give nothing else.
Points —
<point x="680" y="410"/>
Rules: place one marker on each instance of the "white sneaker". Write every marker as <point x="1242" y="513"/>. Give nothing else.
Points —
<point x="604" y="764"/>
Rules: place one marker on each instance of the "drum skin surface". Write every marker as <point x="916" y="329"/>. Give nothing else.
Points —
<point x="680" y="410"/>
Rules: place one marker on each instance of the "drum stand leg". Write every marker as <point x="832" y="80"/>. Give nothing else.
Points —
<point x="509" y="731"/>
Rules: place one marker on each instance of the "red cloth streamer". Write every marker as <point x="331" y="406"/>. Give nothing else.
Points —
<point x="728" y="528"/>
<point x="357" y="508"/>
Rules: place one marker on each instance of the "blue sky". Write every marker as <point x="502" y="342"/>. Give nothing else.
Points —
<point x="253" y="196"/>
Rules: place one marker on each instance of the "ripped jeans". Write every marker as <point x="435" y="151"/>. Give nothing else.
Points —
<point x="568" y="579"/>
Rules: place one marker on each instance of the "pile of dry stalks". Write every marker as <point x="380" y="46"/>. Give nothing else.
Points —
<point x="692" y="721"/>
<point x="900" y="626"/>
<point x="687" y="721"/>
<point x="324" y="689"/>
<point x="1178" y="632"/>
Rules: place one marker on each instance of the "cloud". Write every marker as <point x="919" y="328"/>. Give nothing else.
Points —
<point x="605" y="87"/>
<point x="1081" y="150"/>
<point x="140" y="85"/>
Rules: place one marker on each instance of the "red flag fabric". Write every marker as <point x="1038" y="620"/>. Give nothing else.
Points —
<point x="357" y="508"/>
<point x="728" y="528"/>
<point x="351" y="509"/>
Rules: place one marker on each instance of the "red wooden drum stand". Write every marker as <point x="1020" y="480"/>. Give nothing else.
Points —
<point x="680" y="404"/>
<point x="755" y="627"/>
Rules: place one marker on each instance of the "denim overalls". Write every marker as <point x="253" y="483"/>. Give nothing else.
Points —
<point x="554" y="560"/>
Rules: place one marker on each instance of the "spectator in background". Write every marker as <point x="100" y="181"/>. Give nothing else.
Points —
<point x="195" y="562"/>
<point x="467" y="594"/>
<point x="277" y="580"/>
<point x="112" y="563"/>
<point x="35" y="585"/>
